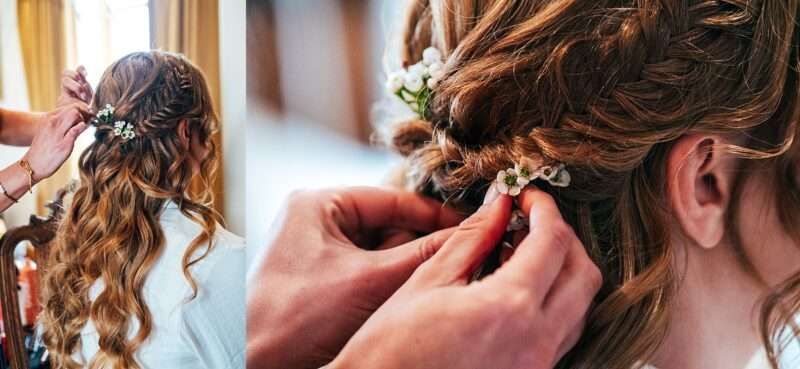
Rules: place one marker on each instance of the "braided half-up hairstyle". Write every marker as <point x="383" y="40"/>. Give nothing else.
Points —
<point x="111" y="231"/>
<point x="607" y="87"/>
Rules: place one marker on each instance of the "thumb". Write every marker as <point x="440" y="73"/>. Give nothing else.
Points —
<point x="401" y="261"/>
<point x="474" y="239"/>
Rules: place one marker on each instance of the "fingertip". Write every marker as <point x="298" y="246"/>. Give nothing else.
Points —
<point x="535" y="202"/>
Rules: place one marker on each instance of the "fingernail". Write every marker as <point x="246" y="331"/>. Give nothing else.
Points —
<point x="491" y="195"/>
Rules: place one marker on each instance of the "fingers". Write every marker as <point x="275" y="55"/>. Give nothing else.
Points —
<point x="474" y="239"/>
<point x="576" y="285"/>
<point x="75" y="131"/>
<point x="401" y="261"/>
<point x="367" y="208"/>
<point x="71" y="115"/>
<point x="75" y="84"/>
<point x="539" y="258"/>
<point x="572" y="293"/>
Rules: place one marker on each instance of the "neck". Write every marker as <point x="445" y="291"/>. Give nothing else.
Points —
<point x="715" y="314"/>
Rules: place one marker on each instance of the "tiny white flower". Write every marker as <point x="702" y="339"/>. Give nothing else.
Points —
<point x="119" y="124"/>
<point x="432" y="82"/>
<point x="547" y="172"/>
<point x="562" y="178"/>
<point x="117" y="131"/>
<point x="506" y="182"/>
<point x="431" y="55"/>
<point x="413" y="83"/>
<point x="418" y="69"/>
<point x="517" y="222"/>
<point x="436" y="70"/>
<point x="527" y="170"/>
<point x="395" y="81"/>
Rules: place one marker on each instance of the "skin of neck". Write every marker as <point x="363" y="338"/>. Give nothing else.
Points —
<point x="715" y="313"/>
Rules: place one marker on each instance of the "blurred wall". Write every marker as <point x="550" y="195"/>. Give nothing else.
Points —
<point x="314" y="72"/>
<point x="233" y="77"/>
<point x="321" y="60"/>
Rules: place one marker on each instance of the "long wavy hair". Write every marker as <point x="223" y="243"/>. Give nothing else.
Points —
<point x="607" y="87"/>
<point x="111" y="232"/>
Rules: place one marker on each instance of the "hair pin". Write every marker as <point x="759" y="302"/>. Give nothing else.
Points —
<point x="121" y="128"/>
<point x="513" y="180"/>
<point x="124" y="129"/>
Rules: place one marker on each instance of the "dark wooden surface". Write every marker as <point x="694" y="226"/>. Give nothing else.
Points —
<point x="38" y="232"/>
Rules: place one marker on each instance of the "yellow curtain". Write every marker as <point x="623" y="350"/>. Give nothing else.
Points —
<point x="191" y="27"/>
<point x="44" y="41"/>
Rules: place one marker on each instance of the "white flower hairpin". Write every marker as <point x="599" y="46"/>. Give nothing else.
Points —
<point x="121" y="128"/>
<point x="511" y="181"/>
<point x="415" y="85"/>
<point x="124" y="129"/>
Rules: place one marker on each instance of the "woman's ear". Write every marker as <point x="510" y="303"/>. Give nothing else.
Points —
<point x="699" y="179"/>
<point x="184" y="134"/>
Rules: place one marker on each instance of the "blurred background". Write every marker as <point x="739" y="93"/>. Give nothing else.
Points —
<point x="315" y="71"/>
<point x="40" y="38"/>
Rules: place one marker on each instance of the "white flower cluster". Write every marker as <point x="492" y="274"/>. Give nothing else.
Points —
<point x="106" y="114"/>
<point x="124" y="129"/>
<point x="121" y="127"/>
<point x="511" y="181"/>
<point x="415" y="84"/>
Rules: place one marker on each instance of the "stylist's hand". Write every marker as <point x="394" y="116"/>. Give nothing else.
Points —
<point x="525" y="315"/>
<point x="336" y="257"/>
<point x="55" y="140"/>
<point x="74" y="87"/>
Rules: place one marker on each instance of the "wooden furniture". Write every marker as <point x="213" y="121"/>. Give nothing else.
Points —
<point x="39" y="232"/>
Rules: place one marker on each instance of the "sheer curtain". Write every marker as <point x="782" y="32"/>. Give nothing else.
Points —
<point x="15" y="96"/>
<point x="44" y="39"/>
<point x="191" y="28"/>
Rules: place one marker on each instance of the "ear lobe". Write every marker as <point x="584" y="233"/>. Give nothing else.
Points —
<point x="699" y="177"/>
<point x="183" y="133"/>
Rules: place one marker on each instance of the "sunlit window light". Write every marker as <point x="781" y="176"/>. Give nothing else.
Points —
<point x="106" y="30"/>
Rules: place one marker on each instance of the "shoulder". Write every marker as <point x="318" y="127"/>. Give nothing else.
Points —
<point x="213" y="323"/>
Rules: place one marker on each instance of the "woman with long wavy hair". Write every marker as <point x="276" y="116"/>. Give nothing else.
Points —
<point x="677" y="122"/>
<point x="141" y="273"/>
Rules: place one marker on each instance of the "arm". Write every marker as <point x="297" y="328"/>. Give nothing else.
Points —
<point x="18" y="128"/>
<point x="50" y="147"/>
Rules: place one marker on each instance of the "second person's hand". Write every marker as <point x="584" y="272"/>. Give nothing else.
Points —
<point x="55" y="139"/>
<point x="526" y="315"/>
<point x="336" y="257"/>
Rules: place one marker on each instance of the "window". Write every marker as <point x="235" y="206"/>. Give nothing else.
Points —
<point x="106" y="30"/>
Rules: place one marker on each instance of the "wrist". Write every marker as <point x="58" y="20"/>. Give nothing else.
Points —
<point x="35" y="174"/>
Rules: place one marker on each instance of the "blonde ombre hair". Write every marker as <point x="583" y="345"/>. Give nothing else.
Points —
<point x="111" y="231"/>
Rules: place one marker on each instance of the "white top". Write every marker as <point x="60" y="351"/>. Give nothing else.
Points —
<point x="207" y="332"/>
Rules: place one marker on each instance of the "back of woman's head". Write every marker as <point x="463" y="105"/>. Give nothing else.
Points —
<point x="111" y="231"/>
<point x="606" y="87"/>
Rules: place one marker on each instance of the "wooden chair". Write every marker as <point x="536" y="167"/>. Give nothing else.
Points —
<point x="39" y="232"/>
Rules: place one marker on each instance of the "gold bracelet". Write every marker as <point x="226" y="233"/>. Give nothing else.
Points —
<point x="27" y="168"/>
